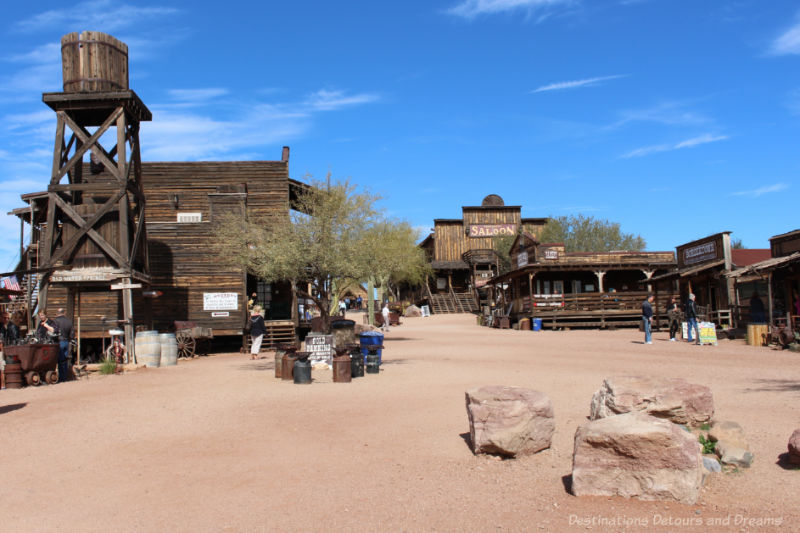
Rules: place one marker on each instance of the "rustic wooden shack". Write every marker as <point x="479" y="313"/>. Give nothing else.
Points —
<point x="576" y="289"/>
<point x="461" y="252"/>
<point x="776" y="279"/>
<point x="701" y="269"/>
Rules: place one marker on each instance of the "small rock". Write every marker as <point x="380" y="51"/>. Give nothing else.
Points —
<point x="733" y="454"/>
<point x="711" y="464"/>
<point x="726" y="430"/>
<point x="794" y="447"/>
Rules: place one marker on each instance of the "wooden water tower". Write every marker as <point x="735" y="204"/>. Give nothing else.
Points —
<point x="95" y="234"/>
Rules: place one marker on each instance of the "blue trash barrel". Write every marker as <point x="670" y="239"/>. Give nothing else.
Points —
<point x="537" y="324"/>
<point x="371" y="338"/>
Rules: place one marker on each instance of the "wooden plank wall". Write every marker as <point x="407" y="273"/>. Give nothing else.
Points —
<point x="182" y="263"/>
<point x="450" y="241"/>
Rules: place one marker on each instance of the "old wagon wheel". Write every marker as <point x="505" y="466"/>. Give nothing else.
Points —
<point x="51" y="377"/>
<point x="186" y="344"/>
<point x="33" y="378"/>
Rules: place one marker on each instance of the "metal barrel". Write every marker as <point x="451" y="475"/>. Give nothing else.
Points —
<point x="169" y="349"/>
<point x="148" y="348"/>
<point x="373" y="363"/>
<point x="302" y="371"/>
<point x="342" y="372"/>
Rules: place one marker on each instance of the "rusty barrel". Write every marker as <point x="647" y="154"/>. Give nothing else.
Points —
<point x="373" y="363"/>
<point x="13" y="373"/>
<point x="287" y="365"/>
<point x="278" y="362"/>
<point x="342" y="371"/>
<point x="356" y="361"/>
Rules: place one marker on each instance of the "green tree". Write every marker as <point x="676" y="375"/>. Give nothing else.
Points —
<point x="327" y="241"/>
<point x="737" y="244"/>
<point x="394" y="256"/>
<point x="580" y="233"/>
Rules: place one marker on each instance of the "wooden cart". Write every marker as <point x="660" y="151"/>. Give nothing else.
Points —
<point x="190" y="336"/>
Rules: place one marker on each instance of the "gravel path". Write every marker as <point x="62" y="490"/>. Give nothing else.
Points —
<point x="218" y="444"/>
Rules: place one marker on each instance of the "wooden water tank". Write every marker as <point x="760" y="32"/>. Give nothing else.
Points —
<point x="93" y="62"/>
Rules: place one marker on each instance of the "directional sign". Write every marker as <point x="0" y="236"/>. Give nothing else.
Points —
<point x="120" y="286"/>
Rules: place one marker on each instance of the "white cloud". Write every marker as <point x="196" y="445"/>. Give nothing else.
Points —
<point x="561" y="85"/>
<point x="755" y="193"/>
<point x="688" y="143"/>
<point x="788" y="42"/>
<point x="472" y="8"/>
<point x="324" y="100"/>
<point x="197" y="95"/>
<point x="667" y="113"/>
<point x="105" y="14"/>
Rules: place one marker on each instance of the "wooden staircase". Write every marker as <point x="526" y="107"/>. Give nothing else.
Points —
<point x="455" y="302"/>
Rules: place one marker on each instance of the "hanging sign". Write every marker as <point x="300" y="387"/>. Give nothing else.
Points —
<point x="220" y="301"/>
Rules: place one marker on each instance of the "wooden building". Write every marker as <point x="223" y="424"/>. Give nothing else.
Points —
<point x="702" y="269"/>
<point x="462" y="256"/>
<point x="583" y="289"/>
<point x="119" y="243"/>
<point x="777" y="280"/>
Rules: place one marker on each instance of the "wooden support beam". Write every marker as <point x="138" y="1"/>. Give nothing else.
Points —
<point x="88" y="142"/>
<point x="96" y="237"/>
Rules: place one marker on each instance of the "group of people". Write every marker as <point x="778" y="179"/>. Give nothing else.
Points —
<point x="347" y="304"/>
<point x="674" y="316"/>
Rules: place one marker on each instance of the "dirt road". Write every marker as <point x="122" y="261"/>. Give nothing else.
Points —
<point x="218" y="444"/>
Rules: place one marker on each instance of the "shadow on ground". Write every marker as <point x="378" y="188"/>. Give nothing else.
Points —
<point x="11" y="407"/>
<point x="774" y="385"/>
<point x="783" y="462"/>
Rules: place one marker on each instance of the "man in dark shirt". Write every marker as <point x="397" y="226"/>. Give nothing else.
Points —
<point x="9" y="332"/>
<point x="65" y="335"/>
<point x="690" y="313"/>
<point x="647" y="319"/>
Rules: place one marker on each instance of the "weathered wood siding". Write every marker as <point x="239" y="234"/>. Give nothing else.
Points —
<point x="450" y="241"/>
<point x="183" y="265"/>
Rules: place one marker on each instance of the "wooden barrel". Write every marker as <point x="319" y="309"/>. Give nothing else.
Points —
<point x="148" y="348"/>
<point x="755" y="334"/>
<point x="169" y="349"/>
<point x="13" y="374"/>
<point x="93" y="62"/>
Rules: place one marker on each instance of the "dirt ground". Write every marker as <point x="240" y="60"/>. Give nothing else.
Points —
<point x="219" y="444"/>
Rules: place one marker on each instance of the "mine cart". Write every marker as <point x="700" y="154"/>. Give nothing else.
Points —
<point x="37" y="361"/>
<point x="189" y="335"/>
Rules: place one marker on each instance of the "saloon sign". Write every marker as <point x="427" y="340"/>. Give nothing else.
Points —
<point x="492" y="230"/>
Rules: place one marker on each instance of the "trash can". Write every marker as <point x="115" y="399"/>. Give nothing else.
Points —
<point x="373" y="338"/>
<point x="524" y="324"/>
<point x="537" y="324"/>
<point x="343" y="331"/>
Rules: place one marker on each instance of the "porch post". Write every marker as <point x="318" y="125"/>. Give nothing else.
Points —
<point x="649" y="274"/>
<point x="600" y="275"/>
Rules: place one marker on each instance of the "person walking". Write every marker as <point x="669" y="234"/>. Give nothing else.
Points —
<point x="385" y="315"/>
<point x="65" y="337"/>
<point x="647" y="319"/>
<point x="690" y="313"/>
<point x="9" y="332"/>
<point x="674" y="315"/>
<point x="257" y="328"/>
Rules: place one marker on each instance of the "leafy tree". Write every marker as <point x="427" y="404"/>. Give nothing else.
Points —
<point x="328" y="241"/>
<point x="580" y="233"/>
<point x="394" y="257"/>
<point x="737" y="244"/>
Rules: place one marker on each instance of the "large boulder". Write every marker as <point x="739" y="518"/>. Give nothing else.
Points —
<point x="412" y="311"/>
<point x="672" y="398"/>
<point x="635" y="455"/>
<point x="509" y="421"/>
<point x="794" y="447"/>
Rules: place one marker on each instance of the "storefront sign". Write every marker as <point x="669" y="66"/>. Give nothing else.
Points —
<point x="522" y="259"/>
<point x="321" y="348"/>
<point x="551" y="254"/>
<point x="700" y="253"/>
<point x="492" y="230"/>
<point x="220" y="314"/>
<point x="70" y="278"/>
<point x="220" y="301"/>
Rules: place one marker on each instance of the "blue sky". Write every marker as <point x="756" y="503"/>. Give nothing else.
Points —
<point x="676" y="118"/>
